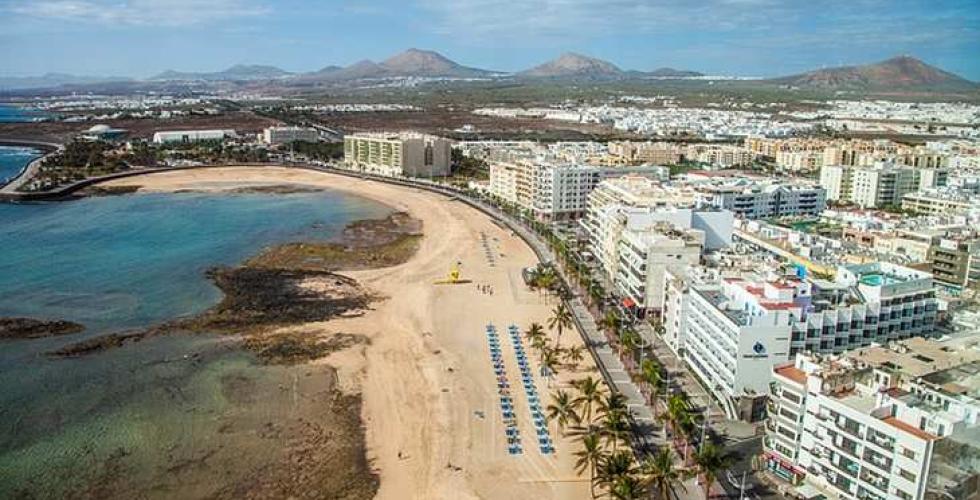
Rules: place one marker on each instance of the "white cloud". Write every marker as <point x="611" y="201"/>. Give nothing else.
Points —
<point x="139" y="12"/>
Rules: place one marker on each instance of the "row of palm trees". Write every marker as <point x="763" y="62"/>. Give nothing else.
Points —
<point x="598" y="418"/>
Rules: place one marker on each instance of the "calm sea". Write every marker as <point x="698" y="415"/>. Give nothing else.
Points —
<point x="15" y="114"/>
<point x="130" y="417"/>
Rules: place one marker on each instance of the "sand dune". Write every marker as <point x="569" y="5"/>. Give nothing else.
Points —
<point x="426" y="376"/>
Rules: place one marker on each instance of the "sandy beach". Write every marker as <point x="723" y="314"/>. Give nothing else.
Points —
<point x="433" y="424"/>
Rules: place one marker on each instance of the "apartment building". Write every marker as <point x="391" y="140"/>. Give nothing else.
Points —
<point x="395" y="155"/>
<point x="882" y="423"/>
<point x="800" y="161"/>
<point x="940" y="202"/>
<point x="864" y="304"/>
<point x="884" y="184"/>
<point x="636" y="209"/>
<point x="286" y="135"/>
<point x="646" y="254"/>
<point x="723" y="156"/>
<point x="955" y="258"/>
<point x="763" y="200"/>
<point x="657" y="153"/>
<point x="171" y="136"/>
<point x="557" y="191"/>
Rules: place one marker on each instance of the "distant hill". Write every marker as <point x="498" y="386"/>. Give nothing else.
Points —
<point x="52" y="80"/>
<point x="412" y="62"/>
<point x="673" y="73"/>
<point x="897" y="73"/>
<point x="241" y="72"/>
<point x="572" y="65"/>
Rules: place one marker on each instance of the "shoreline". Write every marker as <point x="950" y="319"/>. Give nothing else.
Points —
<point x="422" y="386"/>
<point x="11" y="185"/>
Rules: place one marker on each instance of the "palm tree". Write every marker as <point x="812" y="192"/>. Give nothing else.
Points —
<point x="574" y="355"/>
<point x="614" y="467"/>
<point x="678" y="414"/>
<point x="590" y="395"/>
<point x="561" y="318"/>
<point x="659" y="472"/>
<point x="650" y="375"/>
<point x="549" y="362"/>
<point x="562" y="410"/>
<point x="629" y="342"/>
<point x="626" y="488"/>
<point x="615" y="428"/>
<point x="709" y="462"/>
<point x="535" y="331"/>
<point x="589" y="457"/>
<point x="610" y="322"/>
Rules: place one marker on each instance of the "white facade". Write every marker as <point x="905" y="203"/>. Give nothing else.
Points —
<point x="395" y="155"/>
<point x="760" y="201"/>
<point x="646" y="255"/>
<point x="860" y="428"/>
<point x="557" y="191"/>
<point x="169" y="136"/>
<point x="285" y="135"/>
<point x="867" y="303"/>
<point x="883" y="184"/>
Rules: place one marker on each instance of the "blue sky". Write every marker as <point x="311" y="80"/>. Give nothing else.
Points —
<point x="741" y="37"/>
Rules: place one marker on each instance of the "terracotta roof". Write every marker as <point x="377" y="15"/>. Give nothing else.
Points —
<point x="793" y="373"/>
<point x="911" y="429"/>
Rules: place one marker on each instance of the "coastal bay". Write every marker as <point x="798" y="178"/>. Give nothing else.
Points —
<point x="173" y="415"/>
<point x="427" y="389"/>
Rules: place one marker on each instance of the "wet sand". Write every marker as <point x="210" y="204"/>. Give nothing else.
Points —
<point x="433" y="425"/>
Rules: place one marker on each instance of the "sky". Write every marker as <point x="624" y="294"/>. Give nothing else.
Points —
<point x="139" y="38"/>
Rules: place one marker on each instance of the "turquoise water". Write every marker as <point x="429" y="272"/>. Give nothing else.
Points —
<point x="14" y="114"/>
<point x="123" y="262"/>
<point x="13" y="160"/>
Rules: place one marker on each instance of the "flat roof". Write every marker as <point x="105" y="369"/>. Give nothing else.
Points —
<point x="793" y="373"/>
<point x="909" y="429"/>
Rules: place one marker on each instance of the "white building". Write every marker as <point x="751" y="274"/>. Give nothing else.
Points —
<point x="762" y="200"/>
<point x="883" y="184"/>
<point x="395" y="155"/>
<point x="647" y="254"/>
<point x="654" y="228"/>
<point x="895" y="423"/>
<point x="553" y="191"/>
<point x="787" y="315"/>
<point x="285" y="135"/>
<point x="170" y="136"/>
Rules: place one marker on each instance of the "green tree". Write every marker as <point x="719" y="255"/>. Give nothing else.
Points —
<point x="660" y="473"/>
<point x="709" y="461"/>
<point x="562" y="410"/>
<point x="590" y="395"/>
<point x="589" y="457"/>
<point x="561" y="319"/>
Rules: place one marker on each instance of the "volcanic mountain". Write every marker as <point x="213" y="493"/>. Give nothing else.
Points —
<point x="412" y="62"/>
<point x="240" y="72"/>
<point x="897" y="73"/>
<point x="572" y="65"/>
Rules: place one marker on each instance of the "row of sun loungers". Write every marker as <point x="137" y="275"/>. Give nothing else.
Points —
<point x="534" y="401"/>
<point x="503" y="391"/>
<point x="487" y="249"/>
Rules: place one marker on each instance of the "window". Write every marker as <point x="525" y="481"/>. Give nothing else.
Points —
<point x="903" y="495"/>
<point x="907" y="453"/>
<point x="908" y="476"/>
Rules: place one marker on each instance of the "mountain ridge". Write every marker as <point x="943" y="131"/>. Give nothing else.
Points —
<point x="897" y="73"/>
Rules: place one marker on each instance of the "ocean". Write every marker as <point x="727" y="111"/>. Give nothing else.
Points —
<point x="128" y="421"/>
<point x="15" y="114"/>
<point x="13" y="159"/>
